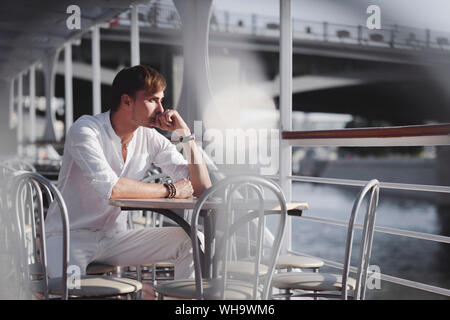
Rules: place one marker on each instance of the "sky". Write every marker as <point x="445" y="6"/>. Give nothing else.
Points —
<point x="432" y="14"/>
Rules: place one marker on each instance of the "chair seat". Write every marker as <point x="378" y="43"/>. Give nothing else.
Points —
<point x="311" y="281"/>
<point x="185" y="289"/>
<point x="141" y="221"/>
<point x="91" y="286"/>
<point x="301" y="262"/>
<point x="97" y="268"/>
<point x="164" y="264"/>
<point x="245" y="268"/>
<point x="36" y="269"/>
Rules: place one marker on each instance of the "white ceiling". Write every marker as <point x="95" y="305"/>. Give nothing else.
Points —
<point x="30" y="29"/>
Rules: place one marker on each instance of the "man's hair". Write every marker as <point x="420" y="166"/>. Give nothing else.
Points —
<point x="129" y="80"/>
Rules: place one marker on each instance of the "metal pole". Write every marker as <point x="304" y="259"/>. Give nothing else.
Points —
<point x="286" y="108"/>
<point x="11" y="103"/>
<point x="68" y="85"/>
<point x="360" y="34"/>
<point x="49" y="65"/>
<point x="96" y="85"/>
<point x="32" y="104"/>
<point x="254" y="24"/>
<point x="325" y="30"/>
<point x="20" y="115"/>
<point x="135" y="56"/>
<point x="227" y="21"/>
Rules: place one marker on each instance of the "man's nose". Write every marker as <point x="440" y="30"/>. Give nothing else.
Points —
<point x="160" y="108"/>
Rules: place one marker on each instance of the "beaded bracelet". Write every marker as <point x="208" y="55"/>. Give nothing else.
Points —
<point x="172" y="190"/>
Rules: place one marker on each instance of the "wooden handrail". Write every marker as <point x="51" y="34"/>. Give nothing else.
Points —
<point x="383" y="132"/>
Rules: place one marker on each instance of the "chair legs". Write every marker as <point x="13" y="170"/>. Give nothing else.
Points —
<point x="316" y="270"/>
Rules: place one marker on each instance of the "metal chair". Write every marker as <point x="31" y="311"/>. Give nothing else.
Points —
<point x="19" y="164"/>
<point x="284" y="262"/>
<point x="321" y="283"/>
<point x="14" y="282"/>
<point x="223" y="285"/>
<point x="24" y="194"/>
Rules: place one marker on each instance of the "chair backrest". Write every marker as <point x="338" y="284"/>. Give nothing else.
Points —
<point x="372" y="190"/>
<point x="226" y="192"/>
<point x="13" y="282"/>
<point x="26" y="203"/>
<point x="19" y="164"/>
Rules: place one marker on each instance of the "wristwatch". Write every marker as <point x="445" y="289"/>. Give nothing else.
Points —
<point x="186" y="139"/>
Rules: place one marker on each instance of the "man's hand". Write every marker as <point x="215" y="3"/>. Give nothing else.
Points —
<point x="184" y="189"/>
<point x="172" y="121"/>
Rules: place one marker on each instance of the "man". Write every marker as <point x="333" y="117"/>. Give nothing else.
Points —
<point x="105" y="156"/>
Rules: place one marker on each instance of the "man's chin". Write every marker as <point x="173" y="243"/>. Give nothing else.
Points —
<point x="152" y="125"/>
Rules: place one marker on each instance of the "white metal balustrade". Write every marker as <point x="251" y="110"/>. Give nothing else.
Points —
<point x="430" y="135"/>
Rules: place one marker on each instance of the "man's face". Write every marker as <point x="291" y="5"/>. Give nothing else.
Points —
<point x="147" y="108"/>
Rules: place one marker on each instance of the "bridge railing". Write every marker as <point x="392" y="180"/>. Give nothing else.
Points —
<point x="164" y="15"/>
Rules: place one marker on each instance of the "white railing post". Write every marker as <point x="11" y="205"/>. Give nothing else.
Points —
<point x="68" y="85"/>
<point x="96" y="84"/>
<point x="49" y="65"/>
<point x="286" y="109"/>
<point x="11" y="103"/>
<point x="20" y="115"/>
<point x="135" y="55"/>
<point x="32" y="132"/>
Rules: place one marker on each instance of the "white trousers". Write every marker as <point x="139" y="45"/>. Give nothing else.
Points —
<point x="124" y="248"/>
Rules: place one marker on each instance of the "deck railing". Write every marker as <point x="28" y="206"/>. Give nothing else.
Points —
<point x="423" y="135"/>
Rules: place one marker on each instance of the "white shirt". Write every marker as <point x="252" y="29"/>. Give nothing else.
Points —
<point x="92" y="164"/>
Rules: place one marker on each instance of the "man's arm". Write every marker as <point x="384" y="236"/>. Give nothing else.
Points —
<point x="132" y="189"/>
<point x="198" y="172"/>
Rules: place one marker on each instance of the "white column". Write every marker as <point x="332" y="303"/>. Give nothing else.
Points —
<point x="286" y="108"/>
<point x="135" y="55"/>
<point x="68" y="85"/>
<point x="20" y="115"/>
<point x="49" y="66"/>
<point x="32" y="129"/>
<point x="11" y="103"/>
<point x="196" y="90"/>
<point x="96" y="84"/>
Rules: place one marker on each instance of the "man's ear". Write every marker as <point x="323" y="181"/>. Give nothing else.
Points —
<point x="126" y="100"/>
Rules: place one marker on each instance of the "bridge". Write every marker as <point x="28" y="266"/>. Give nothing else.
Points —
<point x="335" y="66"/>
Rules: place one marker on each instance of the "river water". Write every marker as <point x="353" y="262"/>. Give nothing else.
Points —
<point x="413" y="259"/>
